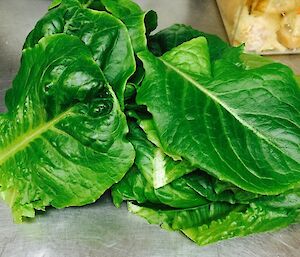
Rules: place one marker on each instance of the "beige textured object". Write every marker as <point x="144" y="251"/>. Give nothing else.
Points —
<point x="275" y="6"/>
<point x="258" y="32"/>
<point x="264" y="26"/>
<point x="289" y="33"/>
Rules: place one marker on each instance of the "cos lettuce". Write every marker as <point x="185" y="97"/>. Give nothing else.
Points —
<point x="63" y="136"/>
<point x="212" y="148"/>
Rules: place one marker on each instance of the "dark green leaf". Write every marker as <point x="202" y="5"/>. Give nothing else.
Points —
<point x="105" y="35"/>
<point x="138" y="22"/>
<point x="135" y="187"/>
<point x="131" y="187"/>
<point x="242" y="126"/>
<point x="177" y="34"/>
<point x="215" y="190"/>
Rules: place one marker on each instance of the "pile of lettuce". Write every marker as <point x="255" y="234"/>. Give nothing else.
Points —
<point x="195" y="135"/>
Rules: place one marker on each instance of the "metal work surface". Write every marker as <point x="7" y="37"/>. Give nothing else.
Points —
<point x="101" y="230"/>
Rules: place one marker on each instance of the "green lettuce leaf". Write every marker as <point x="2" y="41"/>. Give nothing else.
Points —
<point x="158" y="168"/>
<point x="178" y="219"/>
<point x="215" y="130"/>
<point x="64" y="142"/>
<point x="252" y="61"/>
<point x="105" y="35"/>
<point x="135" y="187"/>
<point x="287" y="200"/>
<point x="298" y="80"/>
<point x="240" y="125"/>
<point x="175" y="35"/>
<point x="178" y="194"/>
<point x="131" y="187"/>
<point x="138" y="22"/>
<point x="54" y="4"/>
<point x="191" y="190"/>
<point x="254" y="220"/>
<point x="145" y="121"/>
<point x="216" y="221"/>
<point x="215" y="190"/>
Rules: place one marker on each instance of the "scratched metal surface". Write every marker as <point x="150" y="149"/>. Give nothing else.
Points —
<point x="101" y="230"/>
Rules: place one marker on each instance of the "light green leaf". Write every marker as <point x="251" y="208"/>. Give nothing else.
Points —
<point x="54" y="4"/>
<point x="252" y="61"/>
<point x="177" y="219"/>
<point x="298" y="80"/>
<point x="238" y="224"/>
<point x="64" y="142"/>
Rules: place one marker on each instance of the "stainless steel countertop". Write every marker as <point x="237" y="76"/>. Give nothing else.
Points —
<point x="101" y="230"/>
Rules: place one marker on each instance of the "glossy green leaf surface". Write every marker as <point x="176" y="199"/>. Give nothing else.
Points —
<point x="175" y="35"/>
<point x="253" y="220"/>
<point x="178" y="219"/>
<point x="214" y="190"/>
<point x="196" y="135"/>
<point x="287" y="200"/>
<point x="105" y="35"/>
<point x="138" y="22"/>
<point x="242" y="126"/>
<point x="158" y="168"/>
<point x="64" y="142"/>
<point x="131" y="187"/>
<point x="177" y="194"/>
